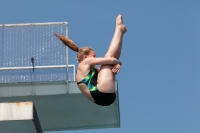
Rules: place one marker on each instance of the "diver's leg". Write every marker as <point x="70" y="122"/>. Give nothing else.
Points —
<point x="115" y="47"/>
<point x="106" y="78"/>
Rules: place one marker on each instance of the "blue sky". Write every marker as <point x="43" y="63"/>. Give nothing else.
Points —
<point x="159" y="83"/>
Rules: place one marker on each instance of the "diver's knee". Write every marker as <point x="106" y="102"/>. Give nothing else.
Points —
<point x="108" y="55"/>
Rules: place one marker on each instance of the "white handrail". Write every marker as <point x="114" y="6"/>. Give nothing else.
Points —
<point x="33" y="24"/>
<point x="38" y="67"/>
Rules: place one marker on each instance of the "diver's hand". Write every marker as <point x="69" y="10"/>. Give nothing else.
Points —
<point x="116" y="68"/>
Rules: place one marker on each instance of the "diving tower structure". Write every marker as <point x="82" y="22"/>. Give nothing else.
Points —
<point x="38" y="92"/>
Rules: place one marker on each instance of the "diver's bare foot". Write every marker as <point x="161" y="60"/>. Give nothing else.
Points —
<point x="119" y="24"/>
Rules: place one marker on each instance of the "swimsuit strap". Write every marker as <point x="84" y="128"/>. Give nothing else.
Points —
<point x="86" y="77"/>
<point x="90" y="80"/>
<point x="80" y="82"/>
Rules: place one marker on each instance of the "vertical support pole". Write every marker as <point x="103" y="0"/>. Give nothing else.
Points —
<point x="36" y="120"/>
<point x="2" y="52"/>
<point x="67" y="49"/>
<point x="67" y="59"/>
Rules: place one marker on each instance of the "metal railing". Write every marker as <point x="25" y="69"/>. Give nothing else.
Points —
<point x="60" y="63"/>
<point x="40" y="67"/>
<point x="33" y="24"/>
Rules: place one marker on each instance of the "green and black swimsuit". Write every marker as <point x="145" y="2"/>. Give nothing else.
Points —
<point x="100" y="98"/>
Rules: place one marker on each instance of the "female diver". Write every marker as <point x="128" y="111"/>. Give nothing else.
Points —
<point x="98" y="84"/>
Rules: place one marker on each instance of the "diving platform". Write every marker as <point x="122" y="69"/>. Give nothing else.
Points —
<point x="60" y="106"/>
<point x="34" y="68"/>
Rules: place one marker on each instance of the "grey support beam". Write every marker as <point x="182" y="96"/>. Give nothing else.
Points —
<point x="19" y="117"/>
